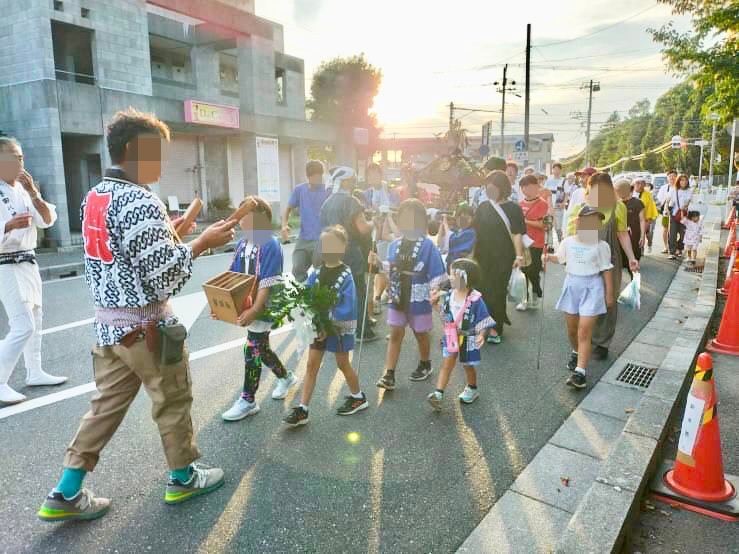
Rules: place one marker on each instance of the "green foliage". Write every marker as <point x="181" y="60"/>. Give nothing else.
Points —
<point x="342" y="93"/>
<point x="319" y="300"/>
<point x="677" y="112"/>
<point x="709" y="54"/>
<point x="220" y="203"/>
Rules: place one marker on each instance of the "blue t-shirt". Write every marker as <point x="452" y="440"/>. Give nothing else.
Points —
<point x="308" y="201"/>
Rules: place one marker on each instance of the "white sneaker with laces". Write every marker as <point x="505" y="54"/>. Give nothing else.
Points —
<point x="522" y="307"/>
<point x="10" y="396"/>
<point x="469" y="395"/>
<point x="240" y="410"/>
<point x="283" y="385"/>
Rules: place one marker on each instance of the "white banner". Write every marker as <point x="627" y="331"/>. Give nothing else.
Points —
<point x="268" y="169"/>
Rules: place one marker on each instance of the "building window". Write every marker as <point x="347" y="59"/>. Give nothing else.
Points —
<point x="281" y="86"/>
<point x="229" y="71"/>
<point x="85" y="12"/>
<point x="58" y="6"/>
<point x="170" y="60"/>
<point x="72" y="53"/>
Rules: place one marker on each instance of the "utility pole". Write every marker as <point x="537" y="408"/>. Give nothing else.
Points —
<point x="713" y="117"/>
<point x="592" y="87"/>
<point x="502" y="89"/>
<point x="528" y="88"/>
<point x="451" y="116"/>
<point x="729" y="183"/>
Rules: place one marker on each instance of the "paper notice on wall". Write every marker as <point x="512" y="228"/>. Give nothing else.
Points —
<point x="691" y="424"/>
<point x="268" y="169"/>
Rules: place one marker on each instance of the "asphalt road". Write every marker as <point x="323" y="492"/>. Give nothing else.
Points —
<point x="395" y="478"/>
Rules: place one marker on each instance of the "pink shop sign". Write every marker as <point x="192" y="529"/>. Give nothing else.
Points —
<point x="217" y="115"/>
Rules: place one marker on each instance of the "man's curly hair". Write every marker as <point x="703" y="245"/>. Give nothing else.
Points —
<point x="127" y="125"/>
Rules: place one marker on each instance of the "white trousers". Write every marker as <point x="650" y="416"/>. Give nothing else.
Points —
<point x="23" y="309"/>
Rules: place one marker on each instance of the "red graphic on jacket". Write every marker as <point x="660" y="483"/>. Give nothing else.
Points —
<point x="94" y="228"/>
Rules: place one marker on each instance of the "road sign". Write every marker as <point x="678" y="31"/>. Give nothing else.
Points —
<point x="520" y="145"/>
<point x="677" y="141"/>
<point x="520" y="156"/>
<point x="484" y="150"/>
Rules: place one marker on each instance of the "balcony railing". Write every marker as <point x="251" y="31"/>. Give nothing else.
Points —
<point x="83" y="78"/>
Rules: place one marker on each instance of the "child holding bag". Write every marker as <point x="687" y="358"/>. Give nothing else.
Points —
<point x="466" y="323"/>
<point x="587" y="290"/>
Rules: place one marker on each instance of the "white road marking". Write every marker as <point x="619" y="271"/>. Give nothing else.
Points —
<point x="79" y="390"/>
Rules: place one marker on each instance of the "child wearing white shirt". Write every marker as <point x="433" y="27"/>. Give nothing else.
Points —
<point x="693" y="235"/>
<point x="587" y="290"/>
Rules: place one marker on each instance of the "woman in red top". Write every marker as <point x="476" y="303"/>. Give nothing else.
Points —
<point x="534" y="208"/>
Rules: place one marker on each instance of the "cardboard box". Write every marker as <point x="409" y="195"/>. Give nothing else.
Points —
<point x="227" y="294"/>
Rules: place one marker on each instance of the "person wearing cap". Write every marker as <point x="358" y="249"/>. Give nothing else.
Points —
<point x="588" y="290"/>
<point x="599" y="195"/>
<point x="342" y="208"/>
<point x="650" y="208"/>
<point x="577" y="196"/>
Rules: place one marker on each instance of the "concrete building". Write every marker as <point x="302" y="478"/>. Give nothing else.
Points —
<point x="215" y="72"/>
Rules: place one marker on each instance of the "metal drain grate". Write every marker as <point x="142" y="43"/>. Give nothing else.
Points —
<point x="694" y="269"/>
<point x="637" y="375"/>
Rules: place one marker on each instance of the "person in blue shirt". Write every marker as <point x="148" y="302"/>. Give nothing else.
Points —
<point x="259" y="253"/>
<point x="307" y="198"/>
<point x="459" y="241"/>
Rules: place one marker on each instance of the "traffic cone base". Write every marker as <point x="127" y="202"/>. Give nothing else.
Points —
<point x="726" y="510"/>
<point x="717" y="346"/>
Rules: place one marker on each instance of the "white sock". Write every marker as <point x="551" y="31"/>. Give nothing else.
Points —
<point x="304" y="407"/>
<point x="580" y="370"/>
<point x="359" y="395"/>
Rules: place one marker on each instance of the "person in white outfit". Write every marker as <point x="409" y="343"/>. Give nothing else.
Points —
<point x="22" y="210"/>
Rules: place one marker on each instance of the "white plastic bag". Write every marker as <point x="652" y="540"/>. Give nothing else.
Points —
<point x="630" y="297"/>
<point x="517" y="286"/>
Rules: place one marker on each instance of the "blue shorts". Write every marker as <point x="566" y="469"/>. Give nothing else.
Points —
<point x="583" y="295"/>
<point x="334" y="343"/>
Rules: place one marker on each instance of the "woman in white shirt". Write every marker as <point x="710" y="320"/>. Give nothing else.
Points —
<point x="678" y="202"/>
<point x="22" y="210"/>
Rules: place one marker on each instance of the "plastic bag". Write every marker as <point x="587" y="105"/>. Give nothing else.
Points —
<point x="517" y="286"/>
<point x="630" y="297"/>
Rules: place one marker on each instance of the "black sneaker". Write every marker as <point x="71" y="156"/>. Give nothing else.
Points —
<point x="353" y="405"/>
<point x="572" y="362"/>
<point x="577" y="380"/>
<point x="421" y="374"/>
<point x="297" y="417"/>
<point x="600" y="352"/>
<point x="368" y="336"/>
<point x="387" y="381"/>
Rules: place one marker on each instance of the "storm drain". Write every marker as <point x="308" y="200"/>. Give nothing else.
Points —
<point x="637" y="375"/>
<point x="694" y="269"/>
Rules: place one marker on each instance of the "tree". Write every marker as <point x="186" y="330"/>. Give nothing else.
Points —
<point x="709" y="55"/>
<point x="342" y="93"/>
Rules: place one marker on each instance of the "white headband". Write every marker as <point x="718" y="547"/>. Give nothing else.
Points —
<point x="337" y="175"/>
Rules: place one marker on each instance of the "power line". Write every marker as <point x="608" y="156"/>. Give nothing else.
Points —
<point x="599" y="30"/>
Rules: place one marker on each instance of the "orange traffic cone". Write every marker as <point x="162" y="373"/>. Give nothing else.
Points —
<point x="731" y="268"/>
<point x="696" y="481"/>
<point x="727" y="340"/>
<point x="730" y="240"/>
<point x="730" y="217"/>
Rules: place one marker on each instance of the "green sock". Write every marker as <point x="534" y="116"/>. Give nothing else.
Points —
<point x="182" y="474"/>
<point x="71" y="482"/>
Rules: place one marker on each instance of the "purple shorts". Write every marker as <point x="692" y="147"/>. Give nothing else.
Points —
<point x="421" y="323"/>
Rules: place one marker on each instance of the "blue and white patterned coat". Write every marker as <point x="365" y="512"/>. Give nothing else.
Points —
<point x="476" y="319"/>
<point x="344" y="313"/>
<point x="427" y="272"/>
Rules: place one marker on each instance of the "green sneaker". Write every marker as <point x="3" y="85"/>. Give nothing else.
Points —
<point x="202" y="481"/>
<point x="494" y="339"/>
<point x="83" y="506"/>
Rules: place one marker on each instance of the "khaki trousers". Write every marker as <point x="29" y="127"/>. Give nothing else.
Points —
<point x="119" y="373"/>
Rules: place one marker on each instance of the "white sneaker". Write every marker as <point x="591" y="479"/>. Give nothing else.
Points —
<point x="522" y="307"/>
<point x="9" y="396"/>
<point x="283" y="385"/>
<point x="469" y="395"/>
<point x="240" y="410"/>
<point x="41" y="378"/>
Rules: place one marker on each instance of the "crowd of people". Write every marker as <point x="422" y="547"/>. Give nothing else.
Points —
<point x="372" y="246"/>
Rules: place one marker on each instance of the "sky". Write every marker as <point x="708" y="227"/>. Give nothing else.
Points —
<point x="433" y="52"/>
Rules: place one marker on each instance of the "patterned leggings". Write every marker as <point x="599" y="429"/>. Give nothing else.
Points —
<point x="257" y="353"/>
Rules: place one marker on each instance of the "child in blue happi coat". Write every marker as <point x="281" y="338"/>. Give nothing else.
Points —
<point x="415" y="268"/>
<point x="459" y="240"/>
<point x="466" y="324"/>
<point x="333" y="273"/>
<point x="259" y="254"/>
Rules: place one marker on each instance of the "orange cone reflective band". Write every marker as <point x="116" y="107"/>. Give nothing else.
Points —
<point x="730" y="216"/>
<point x="727" y="340"/>
<point x="697" y="481"/>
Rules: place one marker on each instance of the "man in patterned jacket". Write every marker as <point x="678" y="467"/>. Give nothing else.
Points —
<point x="133" y="264"/>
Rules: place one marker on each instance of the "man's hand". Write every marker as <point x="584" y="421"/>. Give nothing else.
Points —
<point x="246" y="318"/>
<point x="634" y="265"/>
<point x="21" y="221"/>
<point x="218" y="234"/>
<point x="285" y="233"/>
<point x="27" y="183"/>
